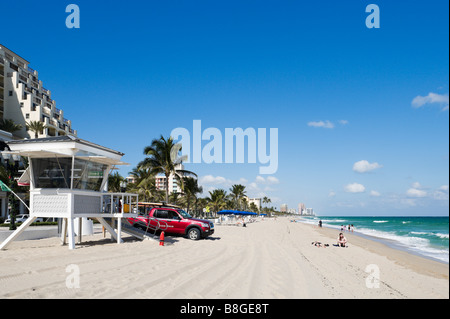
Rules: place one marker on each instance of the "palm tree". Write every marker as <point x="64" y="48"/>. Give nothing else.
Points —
<point x="253" y="208"/>
<point x="144" y="185"/>
<point x="9" y="126"/>
<point x="237" y="192"/>
<point x="200" y="204"/>
<point x="190" y="189"/>
<point x="217" y="199"/>
<point x="36" y="127"/>
<point x="163" y="158"/>
<point x="266" y="200"/>
<point x="114" y="181"/>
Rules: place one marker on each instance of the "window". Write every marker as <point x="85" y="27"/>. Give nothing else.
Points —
<point x="52" y="172"/>
<point x="56" y="172"/>
<point x="10" y="93"/>
<point x="88" y="175"/>
<point x="161" y="214"/>
<point x="173" y="215"/>
<point x="27" y="116"/>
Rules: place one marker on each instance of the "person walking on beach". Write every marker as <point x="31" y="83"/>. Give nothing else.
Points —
<point x="342" y="241"/>
<point x="320" y="223"/>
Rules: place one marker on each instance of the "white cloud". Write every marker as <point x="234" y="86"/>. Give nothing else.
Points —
<point x="269" y="180"/>
<point x="416" y="185"/>
<point x="272" y="180"/>
<point x="431" y="98"/>
<point x="209" y="179"/>
<point x="364" y="166"/>
<point x="326" y="124"/>
<point x="343" y="122"/>
<point x="260" y="185"/>
<point x="260" y="179"/>
<point x="331" y="194"/>
<point x="354" y="188"/>
<point x="375" y="194"/>
<point x="414" y="192"/>
<point x="441" y="193"/>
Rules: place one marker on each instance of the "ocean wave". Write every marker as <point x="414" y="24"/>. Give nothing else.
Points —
<point x="334" y="220"/>
<point x="440" y="235"/>
<point x="380" y="221"/>
<point x="417" y="244"/>
<point x="443" y="236"/>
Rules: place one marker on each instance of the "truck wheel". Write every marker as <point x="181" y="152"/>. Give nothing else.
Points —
<point x="193" y="234"/>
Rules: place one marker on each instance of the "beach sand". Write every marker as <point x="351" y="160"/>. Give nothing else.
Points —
<point x="265" y="260"/>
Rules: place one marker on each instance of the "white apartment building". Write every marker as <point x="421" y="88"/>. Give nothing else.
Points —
<point x="23" y="98"/>
<point x="256" y="201"/>
<point x="160" y="182"/>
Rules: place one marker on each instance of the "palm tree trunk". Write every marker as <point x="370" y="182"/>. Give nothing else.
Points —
<point x="167" y="188"/>
<point x="188" y="202"/>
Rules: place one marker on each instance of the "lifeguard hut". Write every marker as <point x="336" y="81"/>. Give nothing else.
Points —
<point x="68" y="179"/>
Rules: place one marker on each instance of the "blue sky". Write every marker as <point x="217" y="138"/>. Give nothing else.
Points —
<point x="338" y="92"/>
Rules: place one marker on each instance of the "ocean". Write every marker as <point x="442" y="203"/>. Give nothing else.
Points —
<point x="424" y="236"/>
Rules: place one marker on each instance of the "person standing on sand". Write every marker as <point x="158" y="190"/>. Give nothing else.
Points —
<point x="320" y="223"/>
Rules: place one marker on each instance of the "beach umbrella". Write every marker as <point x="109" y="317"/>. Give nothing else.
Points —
<point x="226" y="212"/>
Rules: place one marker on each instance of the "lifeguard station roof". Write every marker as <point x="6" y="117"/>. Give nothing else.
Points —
<point x="57" y="139"/>
<point x="65" y="146"/>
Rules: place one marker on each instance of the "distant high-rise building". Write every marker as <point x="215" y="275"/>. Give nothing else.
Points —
<point x="301" y="208"/>
<point x="284" y="208"/>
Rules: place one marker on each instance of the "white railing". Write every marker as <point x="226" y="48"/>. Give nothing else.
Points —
<point x="119" y="203"/>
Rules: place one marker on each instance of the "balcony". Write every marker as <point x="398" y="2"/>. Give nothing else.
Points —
<point x="35" y="85"/>
<point x="37" y="101"/>
<point x="14" y="67"/>
<point x="54" y="122"/>
<point x="23" y="78"/>
<point x="46" y="110"/>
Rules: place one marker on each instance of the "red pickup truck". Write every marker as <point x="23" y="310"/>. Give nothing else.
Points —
<point x="172" y="221"/>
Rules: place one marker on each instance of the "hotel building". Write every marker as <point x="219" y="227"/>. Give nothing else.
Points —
<point x="23" y="98"/>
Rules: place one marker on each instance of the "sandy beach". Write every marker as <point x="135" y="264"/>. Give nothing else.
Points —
<point x="269" y="259"/>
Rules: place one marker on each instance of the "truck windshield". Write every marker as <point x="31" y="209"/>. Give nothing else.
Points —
<point x="184" y="214"/>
